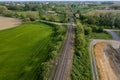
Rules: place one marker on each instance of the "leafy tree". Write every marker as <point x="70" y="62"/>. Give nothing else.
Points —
<point x="3" y="9"/>
<point x="8" y="13"/>
<point x="15" y="7"/>
<point x="100" y="29"/>
<point x="87" y="30"/>
<point x="43" y="70"/>
<point x="31" y="16"/>
<point x="91" y="20"/>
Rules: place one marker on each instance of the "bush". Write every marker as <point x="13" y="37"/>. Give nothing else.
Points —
<point x="88" y="30"/>
<point x="43" y="70"/>
<point x="8" y="13"/>
<point x="100" y="29"/>
<point x="60" y="38"/>
<point x="26" y="19"/>
<point x="2" y="9"/>
<point x="31" y="16"/>
<point x="53" y="54"/>
<point x="81" y="62"/>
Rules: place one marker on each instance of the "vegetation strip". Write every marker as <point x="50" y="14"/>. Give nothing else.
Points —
<point x="81" y="56"/>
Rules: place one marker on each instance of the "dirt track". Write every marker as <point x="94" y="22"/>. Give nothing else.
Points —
<point x="6" y="22"/>
<point x="107" y="55"/>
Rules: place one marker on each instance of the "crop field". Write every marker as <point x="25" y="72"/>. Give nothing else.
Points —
<point x="81" y="8"/>
<point x="22" y="50"/>
<point x="6" y="22"/>
<point x="97" y="12"/>
<point x="56" y="18"/>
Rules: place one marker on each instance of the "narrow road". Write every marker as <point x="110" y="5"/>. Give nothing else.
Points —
<point x="93" y="61"/>
<point x="63" y="66"/>
<point x="113" y="33"/>
<point x="57" y="23"/>
<point x="111" y="30"/>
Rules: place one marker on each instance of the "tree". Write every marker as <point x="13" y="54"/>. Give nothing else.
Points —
<point x="41" y="13"/>
<point x="31" y="16"/>
<point x="87" y="30"/>
<point x="91" y="20"/>
<point x="44" y="68"/>
<point x="52" y="54"/>
<point x="52" y="17"/>
<point x="2" y="9"/>
<point x="80" y="41"/>
<point x="8" y="13"/>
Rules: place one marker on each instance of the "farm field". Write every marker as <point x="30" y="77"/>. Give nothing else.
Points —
<point x="6" y="22"/>
<point x="83" y="9"/>
<point x="56" y="18"/>
<point x="98" y="12"/>
<point x="22" y="50"/>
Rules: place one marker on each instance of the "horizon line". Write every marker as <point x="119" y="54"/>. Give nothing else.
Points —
<point x="58" y="0"/>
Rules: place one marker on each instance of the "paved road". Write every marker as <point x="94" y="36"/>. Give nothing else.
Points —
<point x="111" y="30"/>
<point x="57" y="23"/>
<point x="113" y="33"/>
<point x="66" y="54"/>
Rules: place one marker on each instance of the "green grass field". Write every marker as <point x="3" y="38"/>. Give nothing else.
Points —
<point x="99" y="36"/>
<point x="55" y="18"/>
<point x="22" y="50"/>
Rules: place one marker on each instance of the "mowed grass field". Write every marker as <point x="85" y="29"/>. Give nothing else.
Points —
<point x="22" y="50"/>
<point x="102" y="35"/>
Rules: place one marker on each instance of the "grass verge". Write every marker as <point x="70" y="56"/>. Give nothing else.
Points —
<point x="101" y="35"/>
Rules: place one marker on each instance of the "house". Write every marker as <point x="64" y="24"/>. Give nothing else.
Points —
<point x="77" y="15"/>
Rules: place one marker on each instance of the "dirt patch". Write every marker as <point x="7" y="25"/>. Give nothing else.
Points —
<point x="107" y="55"/>
<point x="6" y="22"/>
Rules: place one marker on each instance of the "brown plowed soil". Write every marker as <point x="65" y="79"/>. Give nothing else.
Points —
<point x="6" y="22"/>
<point x="108" y="61"/>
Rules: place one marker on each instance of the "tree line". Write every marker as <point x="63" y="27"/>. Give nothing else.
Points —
<point x="81" y="69"/>
<point x="58" y="13"/>
<point x="107" y="20"/>
<point x="57" y="39"/>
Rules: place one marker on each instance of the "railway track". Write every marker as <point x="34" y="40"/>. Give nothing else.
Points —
<point x="62" y="65"/>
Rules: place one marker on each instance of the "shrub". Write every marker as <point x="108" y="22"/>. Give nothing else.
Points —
<point x="8" y="13"/>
